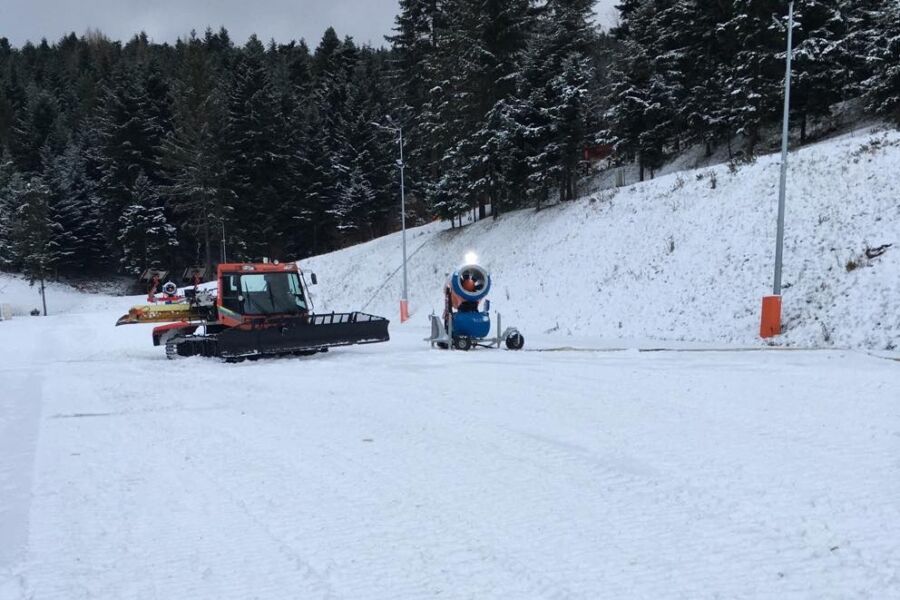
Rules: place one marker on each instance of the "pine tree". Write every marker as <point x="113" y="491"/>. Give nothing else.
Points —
<point x="820" y="73"/>
<point x="194" y="150"/>
<point x="755" y="74"/>
<point x="130" y="138"/>
<point x="553" y="92"/>
<point x="883" y="87"/>
<point x="7" y="211"/>
<point x="145" y="235"/>
<point x="258" y="153"/>
<point x="31" y="229"/>
<point x="76" y="240"/>
<point x="413" y="47"/>
<point x="36" y="127"/>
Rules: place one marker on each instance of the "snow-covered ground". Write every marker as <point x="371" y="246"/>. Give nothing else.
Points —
<point x="393" y="471"/>
<point x="673" y="258"/>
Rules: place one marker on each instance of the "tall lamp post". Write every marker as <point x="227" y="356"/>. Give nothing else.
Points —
<point x="770" y="324"/>
<point x="222" y="251"/>
<point x="404" y="299"/>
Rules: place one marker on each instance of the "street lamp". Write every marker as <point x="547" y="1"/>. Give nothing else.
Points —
<point x="404" y="299"/>
<point x="222" y="252"/>
<point x="770" y="324"/>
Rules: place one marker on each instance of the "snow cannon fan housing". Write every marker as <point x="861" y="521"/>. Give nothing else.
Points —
<point x="470" y="283"/>
<point x="468" y="286"/>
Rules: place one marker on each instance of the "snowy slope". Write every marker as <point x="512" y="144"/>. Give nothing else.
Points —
<point x="23" y="296"/>
<point x="673" y="259"/>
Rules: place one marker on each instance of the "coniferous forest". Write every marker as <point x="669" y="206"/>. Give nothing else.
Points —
<point x="115" y="156"/>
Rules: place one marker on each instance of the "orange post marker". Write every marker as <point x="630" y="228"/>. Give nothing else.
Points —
<point x="404" y="311"/>
<point x="770" y="325"/>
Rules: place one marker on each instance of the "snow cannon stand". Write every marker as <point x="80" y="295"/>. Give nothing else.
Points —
<point x="464" y="324"/>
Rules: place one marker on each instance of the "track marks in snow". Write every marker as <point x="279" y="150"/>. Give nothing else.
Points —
<point x="400" y="473"/>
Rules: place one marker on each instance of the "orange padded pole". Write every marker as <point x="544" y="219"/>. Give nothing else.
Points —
<point x="404" y="311"/>
<point x="770" y="324"/>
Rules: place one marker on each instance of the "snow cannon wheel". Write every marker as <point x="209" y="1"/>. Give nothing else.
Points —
<point x="515" y="341"/>
<point x="462" y="343"/>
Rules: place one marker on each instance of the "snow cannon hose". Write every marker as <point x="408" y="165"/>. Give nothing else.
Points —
<point x="470" y="283"/>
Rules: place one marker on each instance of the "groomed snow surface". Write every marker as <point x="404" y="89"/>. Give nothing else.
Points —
<point x="585" y="467"/>
<point x="392" y="471"/>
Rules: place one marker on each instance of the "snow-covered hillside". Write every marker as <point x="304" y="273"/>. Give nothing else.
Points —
<point x="687" y="256"/>
<point x="23" y="296"/>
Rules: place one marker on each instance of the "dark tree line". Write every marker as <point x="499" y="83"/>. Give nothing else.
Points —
<point x="116" y="156"/>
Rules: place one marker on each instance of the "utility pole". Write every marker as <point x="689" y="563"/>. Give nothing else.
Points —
<point x="404" y="298"/>
<point x="43" y="290"/>
<point x="223" y="242"/>
<point x="770" y="325"/>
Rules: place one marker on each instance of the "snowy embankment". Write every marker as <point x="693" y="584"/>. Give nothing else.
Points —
<point x="23" y="296"/>
<point x="685" y="257"/>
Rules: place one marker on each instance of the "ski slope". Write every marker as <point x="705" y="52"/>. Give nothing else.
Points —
<point x="674" y="259"/>
<point x="392" y="471"/>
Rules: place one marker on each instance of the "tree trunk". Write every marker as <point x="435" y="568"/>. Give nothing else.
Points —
<point x="803" y="128"/>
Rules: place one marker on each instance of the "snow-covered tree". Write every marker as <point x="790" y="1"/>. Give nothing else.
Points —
<point x="31" y="228"/>
<point x="257" y="151"/>
<point x="883" y="86"/>
<point x="194" y="153"/>
<point x="76" y="242"/>
<point x="553" y="96"/>
<point x="130" y="137"/>
<point x="145" y="235"/>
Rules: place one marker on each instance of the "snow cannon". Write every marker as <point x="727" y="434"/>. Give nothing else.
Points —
<point x="464" y="323"/>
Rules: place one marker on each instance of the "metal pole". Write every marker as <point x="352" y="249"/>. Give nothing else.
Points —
<point x="224" y="260"/>
<point x="43" y="291"/>
<point x="403" y="212"/>
<point x="779" y="240"/>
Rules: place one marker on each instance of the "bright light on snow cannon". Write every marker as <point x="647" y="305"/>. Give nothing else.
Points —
<point x="471" y="258"/>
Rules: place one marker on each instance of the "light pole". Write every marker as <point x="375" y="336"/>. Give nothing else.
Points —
<point x="43" y="289"/>
<point x="770" y="324"/>
<point x="404" y="299"/>
<point x="224" y="259"/>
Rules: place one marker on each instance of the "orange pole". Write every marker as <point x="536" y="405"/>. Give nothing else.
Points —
<point x="404" y="311"/>
<point x="770" y="324"/>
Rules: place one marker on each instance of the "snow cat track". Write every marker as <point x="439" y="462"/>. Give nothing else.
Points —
<point x="181" y="346"/>
<point x="285" y="337"/>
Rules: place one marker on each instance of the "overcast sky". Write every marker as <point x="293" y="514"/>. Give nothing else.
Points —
<point x="368" y="21"/>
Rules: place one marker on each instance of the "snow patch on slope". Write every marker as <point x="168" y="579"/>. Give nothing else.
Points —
<point x="675" y="258"/>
